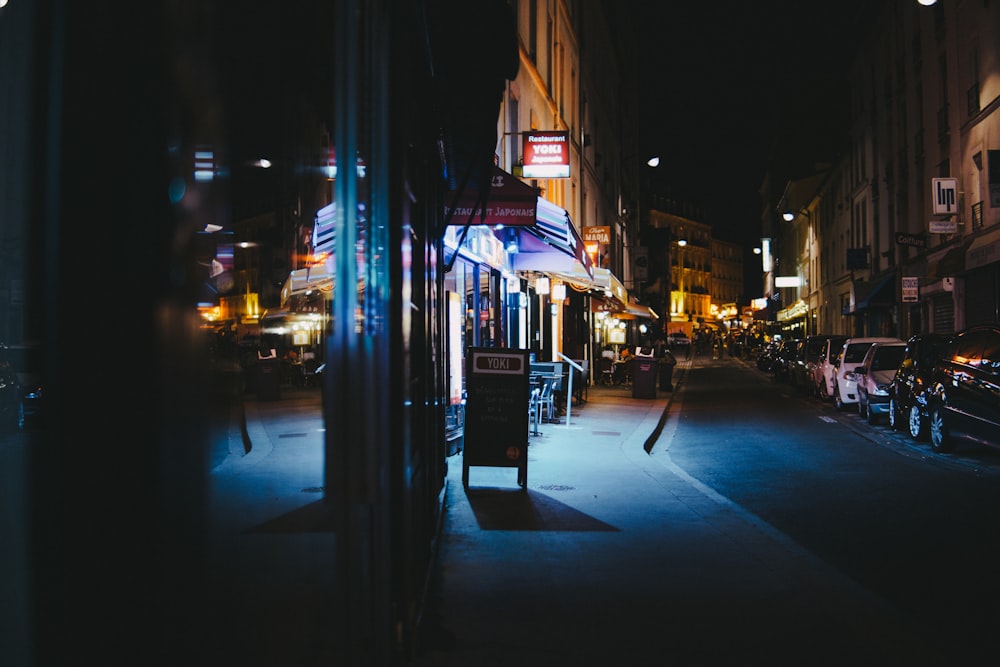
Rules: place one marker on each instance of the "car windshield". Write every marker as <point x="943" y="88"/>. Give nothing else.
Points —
<point x="855" y="353"/>
<point x="887" y="357"/>
<point x="930" y="350"/>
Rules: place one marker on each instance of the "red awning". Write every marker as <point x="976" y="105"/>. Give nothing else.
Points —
<point x="509" y="202"/>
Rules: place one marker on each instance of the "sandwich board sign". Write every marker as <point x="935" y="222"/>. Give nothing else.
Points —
<point x="496" y="410"/>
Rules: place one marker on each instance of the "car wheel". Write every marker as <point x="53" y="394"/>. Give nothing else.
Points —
<point x="837" y="400"/>
<point x="916" y="423"/>
<point x="870" y="417"/>
<point x="894" y="422"/>
<point x="941" y="440"/>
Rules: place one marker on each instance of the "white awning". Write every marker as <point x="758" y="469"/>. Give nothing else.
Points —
<point x="552" y="244"/>
<point x="305" y="280"/>
<point x="984" y="250"/>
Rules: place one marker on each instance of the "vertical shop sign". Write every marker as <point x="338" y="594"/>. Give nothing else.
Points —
<point x="911" y="289"/>
<point x="496" y="411"/>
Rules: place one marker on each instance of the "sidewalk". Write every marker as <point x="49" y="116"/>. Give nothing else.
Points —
<point x="612" y="555"/>
<point x="615" y="556"/>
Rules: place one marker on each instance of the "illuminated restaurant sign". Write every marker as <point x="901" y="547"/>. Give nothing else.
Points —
<point x="546" y="154"/>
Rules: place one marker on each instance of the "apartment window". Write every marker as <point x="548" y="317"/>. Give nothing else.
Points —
<point x="943" y="75"/>
<point x="972" y="99"/>
<point x="533" y="30"/>
<point x="972" y="94"/>
<point x="918" y="59"/>
<point x="514" y="127"/>
<point x="550" y="39"/>
<point x="942" y="122"/>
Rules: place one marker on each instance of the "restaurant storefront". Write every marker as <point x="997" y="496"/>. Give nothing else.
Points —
<point x="476" y="311"/>
<point x="982" y="280"/>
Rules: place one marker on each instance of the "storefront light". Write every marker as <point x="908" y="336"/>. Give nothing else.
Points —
<point x="542" y="285"/>
<point x="559" y="292"/>
<point x="511" y="244"/>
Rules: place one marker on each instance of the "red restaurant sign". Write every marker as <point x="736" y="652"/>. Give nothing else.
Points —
<point x="546" y="154"/>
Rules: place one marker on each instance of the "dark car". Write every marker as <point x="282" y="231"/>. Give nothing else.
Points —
<point x="767" y="354"/>
<point x="964" y="401"/>
<point x="875" y="374"/>
<point x="908" y="391"/>
<point x="679" y="344"/>
<point x="786" y="357"/>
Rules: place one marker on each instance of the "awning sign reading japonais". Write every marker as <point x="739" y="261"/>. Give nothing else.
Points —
<point x="509" y="202"/>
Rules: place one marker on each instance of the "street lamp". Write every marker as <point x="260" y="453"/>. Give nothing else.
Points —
<point x="788" y="216"/>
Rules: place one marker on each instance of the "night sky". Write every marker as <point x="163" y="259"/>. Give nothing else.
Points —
<point x="728" y="85"/>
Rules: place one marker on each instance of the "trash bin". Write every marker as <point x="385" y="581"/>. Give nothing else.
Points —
<point x="667" y="363"/>
<point x="268" y="379"/>
<point x="644" y="377"/>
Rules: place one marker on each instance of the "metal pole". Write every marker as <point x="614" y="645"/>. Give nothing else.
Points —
<point x="569" y="391"/>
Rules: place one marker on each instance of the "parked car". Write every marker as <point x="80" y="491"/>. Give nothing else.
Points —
<point x="11" y="417"/>
<point x="908" y="390"/>
<point x="679" y="344"/>
<point x="825" y="370"/>
<point x="802" y="368"/>
<point x="767" y="354"/>
<point x="845" y="386"/>
<point x="964" y="401"/>
<point x="875" y="374"/>
<point x="785" y="357"/>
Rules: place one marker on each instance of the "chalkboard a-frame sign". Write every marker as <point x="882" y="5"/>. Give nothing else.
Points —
<point x="496" y="411"/>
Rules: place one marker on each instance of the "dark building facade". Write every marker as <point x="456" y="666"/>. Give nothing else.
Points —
<point x="134" y="135"/>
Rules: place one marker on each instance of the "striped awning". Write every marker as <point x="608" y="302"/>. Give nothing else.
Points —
<point x="305" y="280"/>
<point x="552" y="244"/>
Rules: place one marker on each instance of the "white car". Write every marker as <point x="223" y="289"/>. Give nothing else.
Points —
<point x="825" y="370"/>
<point x="852" y="355"/>
<point x="875" y="375"/>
